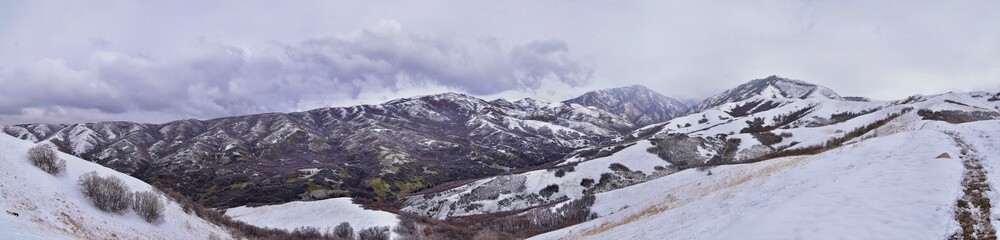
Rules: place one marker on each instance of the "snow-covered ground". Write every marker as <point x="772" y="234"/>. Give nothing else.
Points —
<point x="52" y="207"/>
<point x="882" y="188"/>
<point x="322" y="214"/>
<point x="522" y="190"/>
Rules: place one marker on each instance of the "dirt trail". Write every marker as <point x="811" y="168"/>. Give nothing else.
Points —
<point x="972" y="210"/>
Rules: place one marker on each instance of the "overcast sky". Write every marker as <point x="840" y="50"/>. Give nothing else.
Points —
<point x="156" y="61"/>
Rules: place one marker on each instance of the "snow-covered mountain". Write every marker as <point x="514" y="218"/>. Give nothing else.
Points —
<point x="772" y="158"/>
<point x="638" y="104"/>
<point x="925" y="174"/>
<point x="768" y="90"/>
<point x="719" y="173"/>
<point x="38" y="205"/>
<point x="372" y="151"/>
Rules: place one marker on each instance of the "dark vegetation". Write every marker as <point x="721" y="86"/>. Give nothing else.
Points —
<point x="757" y="124"/>
<point x="753" y="107"/>
<point x="518" y="224"/>
<point x="956" y="117"/>
<point x="956" y="103"/>
<point x="680" y="150"/>
<point x="548" y="190"/>
<point x="994" y="98"/>
<point x="594" y="153"/>
<point x="343" y="231"/>
<point x="840" y="117"/>
<point x="619" y="177"/>
<point x="562" y="170"/>
<point x="374" y="233"/>
<point x="43" y="157"/>
<point x="767" y="138"/>
<point x="523" y="224"/>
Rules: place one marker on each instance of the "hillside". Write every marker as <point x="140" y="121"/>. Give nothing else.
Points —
<point x="881" y="188"/>
<point x="371" y="151"/>
<point x="724" y="161"/>
<point x="41" y="206"/>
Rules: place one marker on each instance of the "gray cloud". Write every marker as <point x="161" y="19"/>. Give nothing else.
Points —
<point x="217" y="80"/>
<point x="163" y="60"/>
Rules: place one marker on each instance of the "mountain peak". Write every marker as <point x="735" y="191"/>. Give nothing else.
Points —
<point x="637" y="103"/>
<point x="637" y="88"/>
<point x="446" y="96"/>
<point x="772" y="87"/>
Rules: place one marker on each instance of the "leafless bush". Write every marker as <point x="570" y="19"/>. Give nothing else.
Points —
<point x="148" y="205"/>
<point x="42" y="156"/>
<point x="307" y="232"/>
<point x="374" y="233"/>
<point x="343" y="231"/>
<point x="109" y="194"/>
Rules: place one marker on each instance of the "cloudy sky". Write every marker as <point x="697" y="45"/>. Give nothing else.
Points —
<point x="72" y="61"/>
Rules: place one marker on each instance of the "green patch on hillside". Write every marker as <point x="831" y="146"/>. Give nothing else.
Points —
<point x="395" y="189"/>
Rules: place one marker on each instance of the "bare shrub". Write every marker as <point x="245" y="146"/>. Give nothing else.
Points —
<point x="344" y="231"/>
<point x="307" y="232"/>
<point x="43" y="157"/>
<point x="407" y="228"/>
<point x="549" y="190"/>
<point x="767" y="138"/>
<point x="110" y="194"/>
<point x="374" y="233"/>
<point x="148" y="205"/>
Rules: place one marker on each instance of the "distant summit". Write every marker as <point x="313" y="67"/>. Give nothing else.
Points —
<point x="770" y="87"/>
<point x="637" y="103"/>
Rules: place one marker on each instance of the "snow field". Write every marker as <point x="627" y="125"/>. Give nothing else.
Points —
<point x="883" y="188"/>
<point x="322" y="214"/>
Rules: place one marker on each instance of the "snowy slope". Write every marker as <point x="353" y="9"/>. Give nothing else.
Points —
<point x="717" y="173"/>
<point x="882" y="188"/>
<point x="770" y="121"/>
<point x="322" y="214"/>
<point x="524" y="190"/>
<point x="888" y="183"/>
<point x="52" y="207"/>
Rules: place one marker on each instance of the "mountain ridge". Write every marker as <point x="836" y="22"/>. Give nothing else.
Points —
<point x="637" y="103"/>
<point x="370" y="151"/>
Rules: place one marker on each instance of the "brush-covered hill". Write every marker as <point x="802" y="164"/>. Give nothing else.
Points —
<point x="370" y="151"/>
<point x="38" y="205"/>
